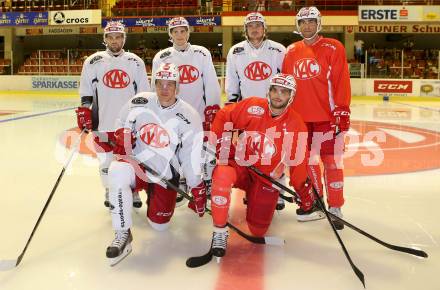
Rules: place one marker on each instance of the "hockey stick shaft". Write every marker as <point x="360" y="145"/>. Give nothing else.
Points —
<point x="411" y="251"/>
<point x="60" y="176"/>
<point x="353" y="227"/>
<point x="356" y="270"/>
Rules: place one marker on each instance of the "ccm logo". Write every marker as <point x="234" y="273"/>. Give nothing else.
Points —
<point x="392" y="86"/>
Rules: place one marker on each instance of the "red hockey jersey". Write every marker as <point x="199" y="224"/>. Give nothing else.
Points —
<point x="322" y="76"/>
<point x="268" y="143"/>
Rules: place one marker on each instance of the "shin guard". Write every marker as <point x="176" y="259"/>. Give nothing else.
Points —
<point x="223" y="178"/>
<point x="334" y="181"/>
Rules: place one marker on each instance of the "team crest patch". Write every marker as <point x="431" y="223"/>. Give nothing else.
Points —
<point x="258" y="71"/>
<point x="255" y="110"/>
<point x="116" y="79"/>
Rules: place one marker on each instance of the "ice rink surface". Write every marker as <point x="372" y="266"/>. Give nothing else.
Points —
<point x="399" y="206"/>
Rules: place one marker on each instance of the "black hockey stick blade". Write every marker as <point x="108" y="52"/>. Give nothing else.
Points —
<point x="411" y="251"/>
<point x="195" y="262"/>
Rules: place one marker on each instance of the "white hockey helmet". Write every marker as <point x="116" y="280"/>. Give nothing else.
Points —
<point x="169" y="72"/>
<point x="177" y="22"/>
<point x="254" y="17"/>
<point x="283" y="80"/>
<point x="114" y="27"/>
<point x="308" y="13"/>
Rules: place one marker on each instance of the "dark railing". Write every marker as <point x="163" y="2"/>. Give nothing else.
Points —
<point x="194" y="7"/>
<point x="197" y="7"/>
<point x="46" y="5"/>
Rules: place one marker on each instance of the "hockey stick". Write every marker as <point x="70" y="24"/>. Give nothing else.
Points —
<point x="411" y="251"/>
<point x="257" y="240"/>
<point x="356" y="270"/>
<point x="198" y="261"/>
<point x="9" y="264"/>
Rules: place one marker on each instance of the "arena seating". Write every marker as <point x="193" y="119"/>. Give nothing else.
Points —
<point x="5" y="65"/>
<point x="416" y="63"/>
<point x="54" y="62"/>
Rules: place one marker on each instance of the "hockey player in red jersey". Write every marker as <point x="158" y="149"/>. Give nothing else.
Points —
<point x="109" y="79"/>
<point x="251" y="64"/>
<point x="165" y="133"/>
<point x="273" y="137"/>
<point x="323" y="97"/>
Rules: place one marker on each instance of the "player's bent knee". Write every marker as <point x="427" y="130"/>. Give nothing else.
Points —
<point x="121" y="174"/>
<point x="257" y="230"/>
<point x="224" y="177"/>
<point x="160" y="227"/>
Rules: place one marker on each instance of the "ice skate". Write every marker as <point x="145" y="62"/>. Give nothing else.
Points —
<point x="280" y="204"/>
<point x="314" y="213"/>
<point x="120" y="247"/>
<point x="180" y="199"/>
<point x="219" y="242"/>
<point x="107" y="201"/>
<point x="337" y="212"/>
<point x="137" y="202"/>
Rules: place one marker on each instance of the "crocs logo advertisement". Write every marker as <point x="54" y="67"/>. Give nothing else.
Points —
<point x="306" y="68"/>
<point x="219" y="200"/>
<point x="381" y="86"/>
<point x="116" y="79"/>
<point x="188" y="74"/>
<point x="60" y="18"/>
<point x="255" y="110"/>
<point x="258" y="71"/>
<point x="154" y="135"/>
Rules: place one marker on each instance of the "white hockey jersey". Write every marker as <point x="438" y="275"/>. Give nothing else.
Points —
<point x="248" y="70"/>
<point x="199" y="85"/>
<point x="112" y="81"/>
<point x="165" y="137"/>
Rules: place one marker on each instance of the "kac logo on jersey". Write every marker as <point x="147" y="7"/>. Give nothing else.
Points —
<point x="255" y="110"/>
<point x="116" y="79"/>
<point x="154" y="135"/>
<point x="188" y="74"/>
<point x="306" y="68"/>
<point x="257" y="143"/>
<point x="258" y="71"/>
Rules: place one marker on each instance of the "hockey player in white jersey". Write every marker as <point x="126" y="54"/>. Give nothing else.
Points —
<point x="251" y="64"/>
<point x="109" y="79"/>
<point x="199" y="85"/>
<point x="164" y="133"/>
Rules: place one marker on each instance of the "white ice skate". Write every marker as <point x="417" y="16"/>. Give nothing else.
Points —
<point x="120" y="247"/>
<point x="280" y="204"/>
<point x="219" y="242"/>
